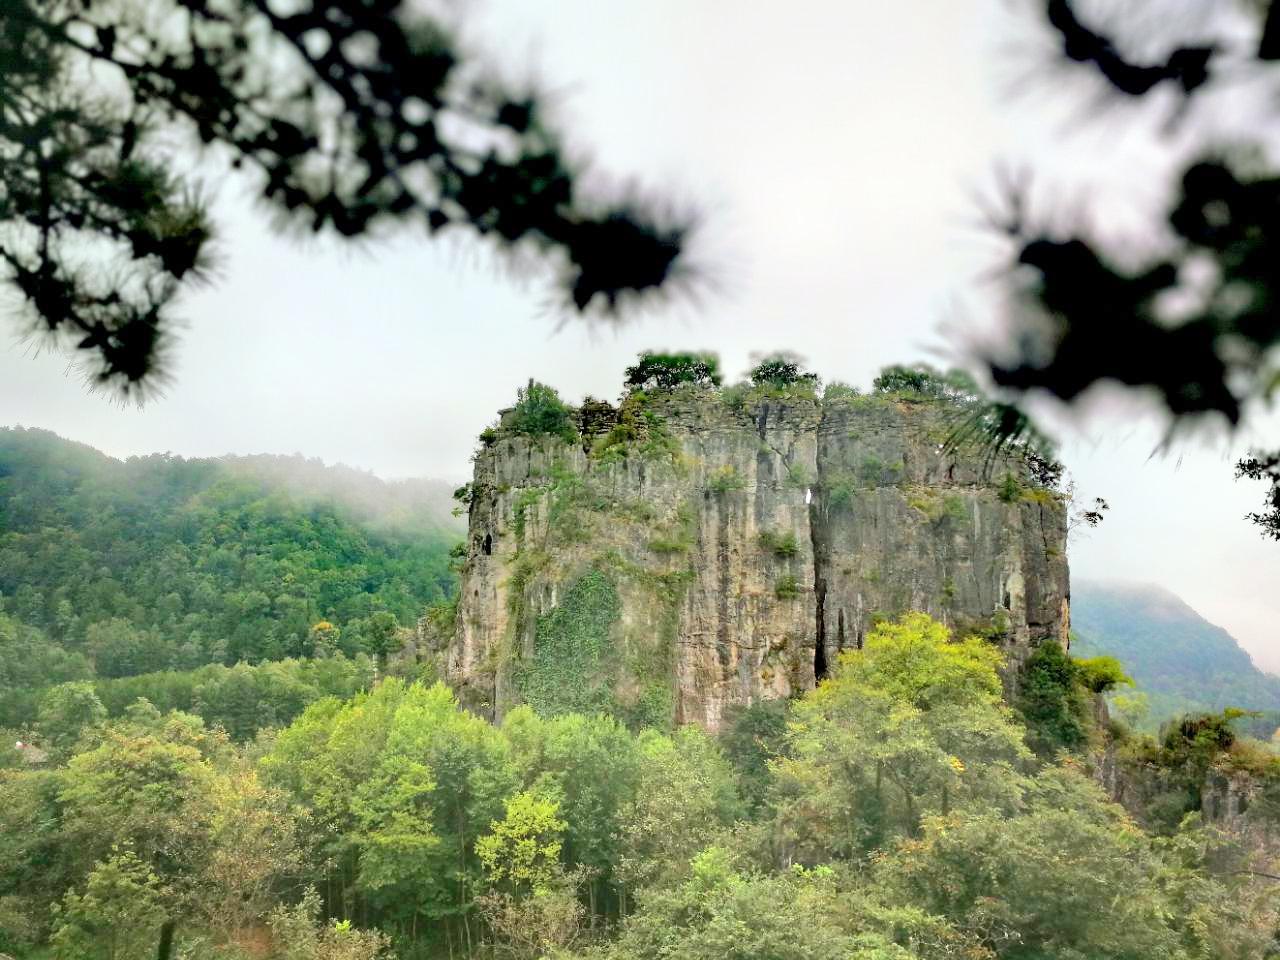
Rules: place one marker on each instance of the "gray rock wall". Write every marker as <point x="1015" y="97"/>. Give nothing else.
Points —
<point x="721" y="552"/>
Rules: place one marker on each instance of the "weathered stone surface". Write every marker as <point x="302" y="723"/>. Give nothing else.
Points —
<point x="748" y="546"/>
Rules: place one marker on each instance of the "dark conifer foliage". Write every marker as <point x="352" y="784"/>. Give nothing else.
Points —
<point x="1198" y="322"/>
<point x="351" y="113"/>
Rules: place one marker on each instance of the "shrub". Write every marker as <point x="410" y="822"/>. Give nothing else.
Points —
<point x="836" y="391"/>
<point x="787" y="588"/>
<point x="540" y="411"/>
<point x="724" y="479"/>
<point x="840" y="490"/>
<point x="1009" y="490"/>
<point x="798" y="476"/>
<point x="781" y="545"/>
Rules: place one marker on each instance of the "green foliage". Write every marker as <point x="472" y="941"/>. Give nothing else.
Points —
<point x="521" y="853"/>
<point x="1053" y="701"/>
<point x="1010" y="490"/>
<point x="753" y="735"/>
<point x="923" y="381"/>
<point x="894" y="813"/>
<point x="724" y="480"/>
<point x="781" y="545"/>
<point x="837" y="391"/>
<point x="666" y="371"/>
<point x="689" y="796"/>
<point x="1182" y="663"/>
<point x="539" y="411"/>
<point x="909" y="726"/>
<point x="160" y="563"/>
<point x="787" y="587"/>
<point x="1100" y="674"/>
<point x="638" y="430"/>
<point x="243" y="699"/>
<point x="871" y="470"/>
<point x="117" y="917"/>
<point x="303" y="933"/>
<point x="782" y="370"/>
<point x="569" y="670"/>
<point x="799" y="476"/>
<point x="66" y="712"/>
<point x="841" y="489"/>
<point x="1066" y="876"/>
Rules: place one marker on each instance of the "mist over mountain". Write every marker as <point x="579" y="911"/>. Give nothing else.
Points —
<point x="1180" y="660"/>
<point x="114" y="568"/>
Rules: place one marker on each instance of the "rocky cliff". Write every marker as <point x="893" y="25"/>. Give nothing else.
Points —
<point x="700" y="548"/>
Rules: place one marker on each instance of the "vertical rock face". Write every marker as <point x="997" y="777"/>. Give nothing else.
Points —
<point x="700" y="549"/>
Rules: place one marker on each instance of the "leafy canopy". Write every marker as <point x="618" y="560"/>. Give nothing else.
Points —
<point x="665" y="371"/>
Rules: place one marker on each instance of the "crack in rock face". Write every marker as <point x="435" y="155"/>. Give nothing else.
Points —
<point x="747" y="549"/>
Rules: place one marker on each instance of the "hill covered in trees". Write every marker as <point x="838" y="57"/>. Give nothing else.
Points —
<point x="111" y="569"/>
<point x="896" y="812"/>
<point x="1180" y="661"/>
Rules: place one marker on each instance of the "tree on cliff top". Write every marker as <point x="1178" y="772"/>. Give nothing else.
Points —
<point x="666" y="371"/>
<point x="1196" y="322"/>
<point x="352" y="116"/>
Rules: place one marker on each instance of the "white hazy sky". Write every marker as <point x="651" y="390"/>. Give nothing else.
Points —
<point x="833" y="147"/>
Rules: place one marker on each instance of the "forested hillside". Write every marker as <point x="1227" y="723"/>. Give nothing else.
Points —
<point x="1178" y="660"/>
<point x="111" y="569"/>
<point x="900" y="811"/>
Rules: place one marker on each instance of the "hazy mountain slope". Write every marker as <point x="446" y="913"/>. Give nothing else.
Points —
<point x="1176" y="656"/>
<point x="160" y="562"/>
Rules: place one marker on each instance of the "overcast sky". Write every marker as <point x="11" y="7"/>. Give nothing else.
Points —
<point x="833" y="148"/>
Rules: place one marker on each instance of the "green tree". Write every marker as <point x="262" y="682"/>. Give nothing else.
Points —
<point x="724" y="912"/>
<point x="119" y="649"/>
<point x="589" y="763"/>
<point x="910" y="725"/>
<point x="382" y="635"/>
<point x="1053" y="702"/>
<point x="521" y="852"/>
<point x="666" y="371"/>
<point x="118" y="915"/>
<point x="253" y="848"/>
<point x="147" y="789"/>
<point x="685" y="795"/>
<point x="782" y="370"/>
<point x="66" y="712"/>
<point x="1066" y="876"/>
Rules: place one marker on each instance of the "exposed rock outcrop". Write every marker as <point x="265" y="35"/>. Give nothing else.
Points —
<point x="703" y="548"/>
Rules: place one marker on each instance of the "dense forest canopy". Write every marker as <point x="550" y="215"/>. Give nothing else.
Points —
<point x="112" y="569"/>
<point x="896" y="812"/>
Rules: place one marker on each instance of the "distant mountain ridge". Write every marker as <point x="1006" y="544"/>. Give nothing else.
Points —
<point x="1182" y="661"/>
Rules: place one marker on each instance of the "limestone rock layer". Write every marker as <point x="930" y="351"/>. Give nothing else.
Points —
<point x="694" y="551"/>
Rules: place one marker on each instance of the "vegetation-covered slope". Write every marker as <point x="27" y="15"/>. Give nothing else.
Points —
<point x="1178" y="659"/>
<point x="112" y="569"/>
<point x="894" y="813"/>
